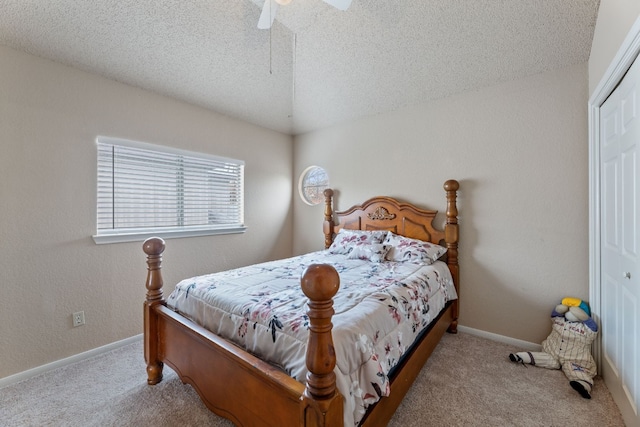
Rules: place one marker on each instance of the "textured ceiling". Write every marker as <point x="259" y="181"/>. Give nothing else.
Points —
<point x="318" y="66"/>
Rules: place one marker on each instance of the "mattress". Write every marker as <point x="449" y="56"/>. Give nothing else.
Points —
<point x="380" y="309"/>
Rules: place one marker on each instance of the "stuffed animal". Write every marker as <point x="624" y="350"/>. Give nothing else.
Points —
<point x="568" y="346"/>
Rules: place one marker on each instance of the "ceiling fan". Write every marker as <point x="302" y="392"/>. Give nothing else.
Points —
<point x="271" y="7"/>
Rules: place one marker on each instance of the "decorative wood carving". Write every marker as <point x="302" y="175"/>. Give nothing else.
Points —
<point x="153" y="247"/>
<point x="451" y="239"/>
<point x="320" y="283"/>
<point x="381" y="214"/>
<point x="328" y="224"/>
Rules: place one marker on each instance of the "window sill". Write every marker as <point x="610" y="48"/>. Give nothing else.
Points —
<point x="102" y="239"/>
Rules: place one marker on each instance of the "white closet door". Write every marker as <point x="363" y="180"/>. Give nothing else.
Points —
<point x="620" y="257"/>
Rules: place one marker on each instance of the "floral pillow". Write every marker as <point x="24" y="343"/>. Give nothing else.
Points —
<point x="404" y="249"/>
<point x="346" y="240"/>
<point x="369" y="252"/>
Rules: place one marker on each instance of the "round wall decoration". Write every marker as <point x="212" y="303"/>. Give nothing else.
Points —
<point x="312" y="183"/>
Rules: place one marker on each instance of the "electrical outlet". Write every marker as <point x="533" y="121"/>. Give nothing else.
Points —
<point x="78" y="318"/>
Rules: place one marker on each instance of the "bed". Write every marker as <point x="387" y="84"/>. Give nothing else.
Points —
<point x="236" y="384"/>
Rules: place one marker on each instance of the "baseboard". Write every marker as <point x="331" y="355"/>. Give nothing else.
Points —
<point x="518" y="345"/>
<point x="21" y="376"/>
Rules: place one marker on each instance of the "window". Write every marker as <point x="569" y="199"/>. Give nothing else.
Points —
<point x="313" y="181"/>
<point x="146" y="190"/>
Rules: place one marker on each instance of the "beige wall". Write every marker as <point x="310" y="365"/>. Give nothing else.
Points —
<point x="615" y="18"/>
<point x="520" y="153"/>
<point x="50" y="116"/>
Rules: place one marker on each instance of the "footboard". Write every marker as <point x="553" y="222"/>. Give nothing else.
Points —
<point x="233" y="383"/>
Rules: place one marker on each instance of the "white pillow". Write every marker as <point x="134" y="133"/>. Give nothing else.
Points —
<point x="346" y="240"/>
<point x="404" y="249"/>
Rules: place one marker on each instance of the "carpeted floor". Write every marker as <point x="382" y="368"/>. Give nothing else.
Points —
<point x="469" y="381"/>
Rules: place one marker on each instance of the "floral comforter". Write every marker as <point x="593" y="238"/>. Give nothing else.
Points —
<point x="380" y="309"/>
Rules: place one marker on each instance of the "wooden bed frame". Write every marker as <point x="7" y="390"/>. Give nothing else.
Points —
<point x="250" y="392"/>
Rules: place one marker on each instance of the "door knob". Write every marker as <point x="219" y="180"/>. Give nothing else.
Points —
<point x="627" y="275"/>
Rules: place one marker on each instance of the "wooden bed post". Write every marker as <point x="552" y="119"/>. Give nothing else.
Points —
<point x="153" y="247"/>
<point x="451" y="240"/>
<point x="323" y="403"/>
<point x="328" y="225"/>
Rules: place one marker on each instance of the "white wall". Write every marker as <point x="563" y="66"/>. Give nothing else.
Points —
<point x="615" y="18"/>
<point x="50" y="116"/>
<point x="520" y="153"/>
<point x="519" y="150"/>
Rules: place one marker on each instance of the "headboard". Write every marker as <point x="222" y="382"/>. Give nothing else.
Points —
<point x="386" y="213"/>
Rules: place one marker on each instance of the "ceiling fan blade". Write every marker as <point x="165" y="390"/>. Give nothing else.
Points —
<point x="268" y="14"/>
<point x="339" y="4"/>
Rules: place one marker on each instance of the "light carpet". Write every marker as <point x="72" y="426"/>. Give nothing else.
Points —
<point x="468" y="381"/>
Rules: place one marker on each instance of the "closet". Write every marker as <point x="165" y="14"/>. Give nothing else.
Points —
<point x="619" y="250"/>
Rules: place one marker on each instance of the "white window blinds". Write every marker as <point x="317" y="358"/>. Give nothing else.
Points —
<point x="145" y="189"/>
